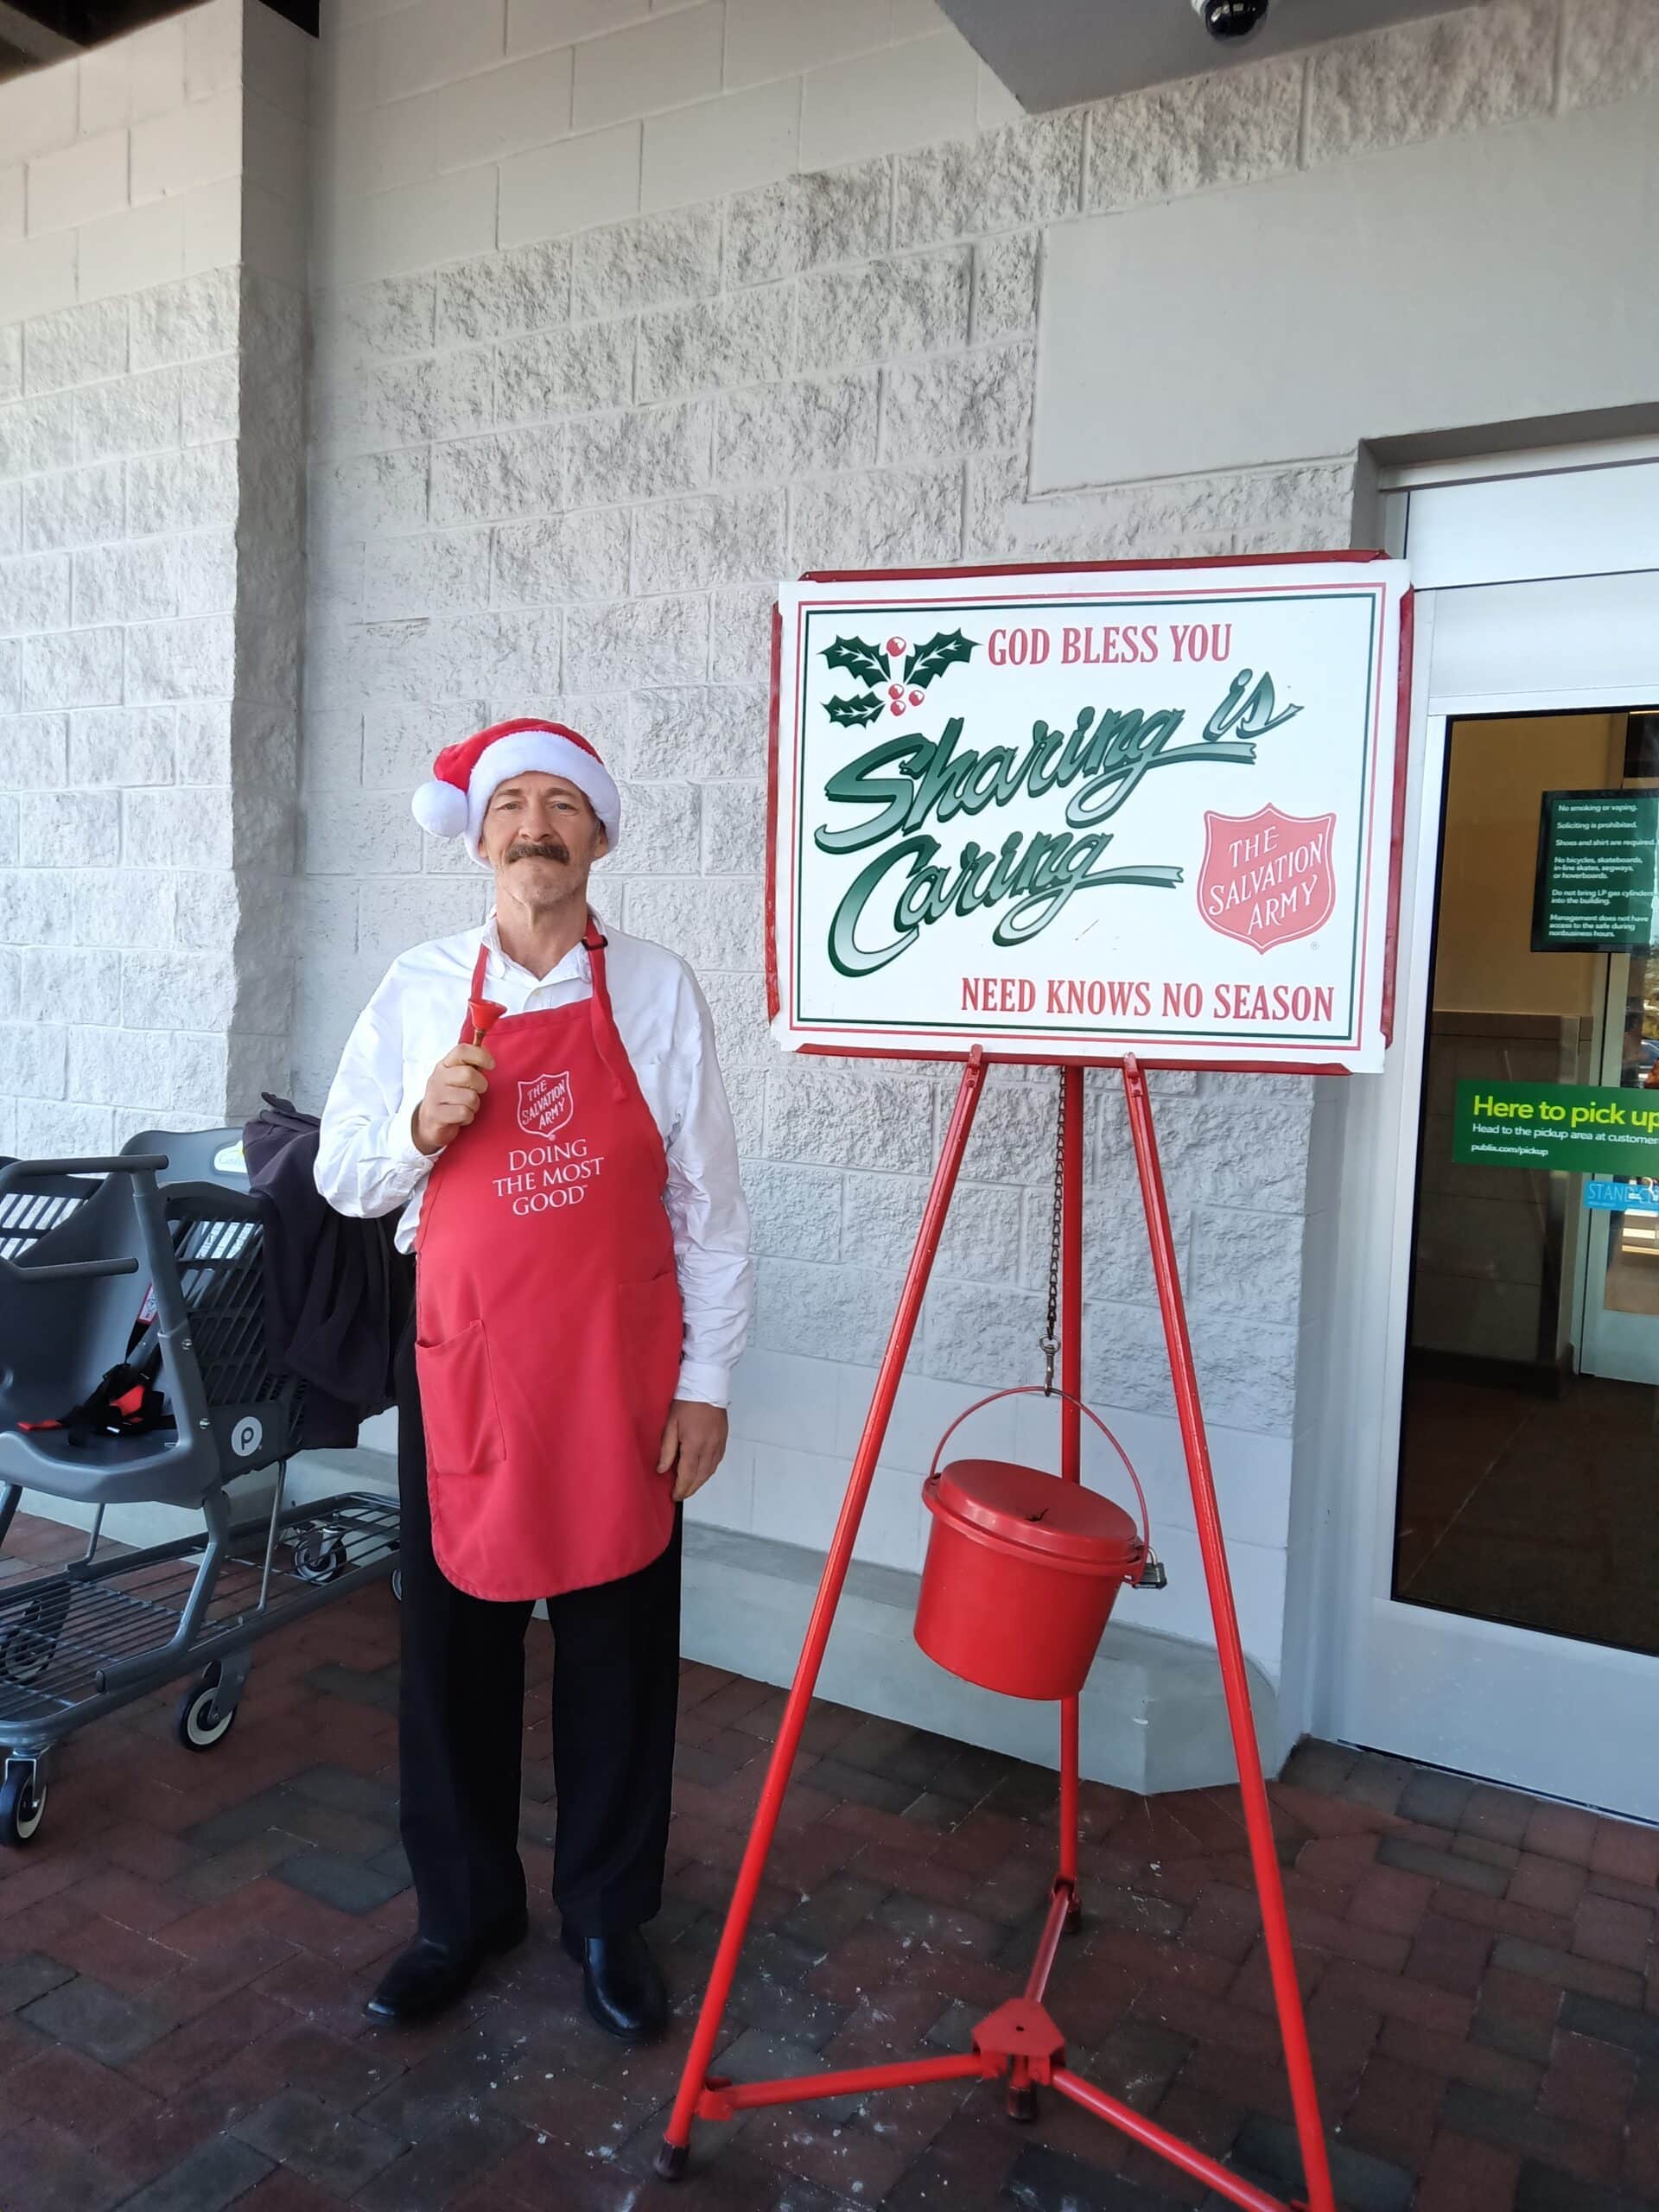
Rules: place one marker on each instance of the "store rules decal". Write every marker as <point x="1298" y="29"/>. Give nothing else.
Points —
<point x="1066" y="815"/>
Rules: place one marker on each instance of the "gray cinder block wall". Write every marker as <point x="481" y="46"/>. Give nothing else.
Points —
<point x="562" y="448"/>
<point x="756" y="288"/>
<point x="151" y="561"/>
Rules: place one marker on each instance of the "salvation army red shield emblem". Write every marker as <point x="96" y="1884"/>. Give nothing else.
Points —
<point x="1268" y="878"/>
<point x="544" y="1105"/>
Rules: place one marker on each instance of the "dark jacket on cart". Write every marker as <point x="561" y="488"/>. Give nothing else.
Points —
<point x="338" y="1292"/>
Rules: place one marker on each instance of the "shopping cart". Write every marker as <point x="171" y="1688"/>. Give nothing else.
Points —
<point x="104" y="1260"/>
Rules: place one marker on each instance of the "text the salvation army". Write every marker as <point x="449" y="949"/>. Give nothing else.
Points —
<point x="1273" y="877"/>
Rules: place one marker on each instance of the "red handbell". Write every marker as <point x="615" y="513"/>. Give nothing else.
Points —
<point x="483" y="1013"/>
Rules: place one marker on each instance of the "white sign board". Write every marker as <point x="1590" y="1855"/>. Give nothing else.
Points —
<point x="1073" y="814"/>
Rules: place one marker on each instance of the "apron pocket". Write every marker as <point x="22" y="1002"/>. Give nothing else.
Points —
<point x="458" y="1408"/>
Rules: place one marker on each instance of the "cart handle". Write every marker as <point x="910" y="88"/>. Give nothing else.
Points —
<point x="130" y="1163"/>
<point x="1037" y="1390"/>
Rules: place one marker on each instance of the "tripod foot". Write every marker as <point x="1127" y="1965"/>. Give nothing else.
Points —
<point x="1022" y="2103"/>
<point x="671" y="2159"/>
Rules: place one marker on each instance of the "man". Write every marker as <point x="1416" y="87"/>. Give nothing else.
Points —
<point x="540" y="1099"/>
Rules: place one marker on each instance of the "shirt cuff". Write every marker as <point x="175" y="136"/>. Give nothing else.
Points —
<point x="404" y="1154"/>
<point x="706" y="1384"/>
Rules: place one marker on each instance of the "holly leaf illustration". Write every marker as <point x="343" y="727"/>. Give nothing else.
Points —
<point x="923" y="662"/>
<point x="860" y="661"/>
<point x="855" y="711"/>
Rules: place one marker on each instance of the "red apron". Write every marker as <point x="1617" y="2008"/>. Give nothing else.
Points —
<point x="548" y="1313"/>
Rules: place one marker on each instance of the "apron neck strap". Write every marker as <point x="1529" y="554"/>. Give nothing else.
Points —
<point x="593" y="943"/>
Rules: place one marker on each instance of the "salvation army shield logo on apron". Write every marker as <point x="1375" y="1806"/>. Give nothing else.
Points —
<point x="544" y="1105"/>
<point x="1267" y="877"/>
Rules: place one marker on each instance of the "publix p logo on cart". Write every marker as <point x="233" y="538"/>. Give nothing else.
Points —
<point x="895" y="676"/>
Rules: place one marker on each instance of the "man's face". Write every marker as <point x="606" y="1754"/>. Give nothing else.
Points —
<point x="541" y="836"/>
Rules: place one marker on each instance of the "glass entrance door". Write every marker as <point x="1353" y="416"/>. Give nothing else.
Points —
<point x="1528" y="1471"/>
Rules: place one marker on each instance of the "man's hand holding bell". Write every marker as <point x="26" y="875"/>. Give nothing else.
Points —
<point x="454" y="1090"/>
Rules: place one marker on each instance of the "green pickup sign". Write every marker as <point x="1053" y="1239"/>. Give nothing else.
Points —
<point x="1570" y="1126"/>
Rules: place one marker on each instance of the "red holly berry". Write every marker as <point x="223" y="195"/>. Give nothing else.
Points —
<point x="895" y="691"/>
<point x="895" y="706"/>
<point x="895" y="647"/>
<point x="915" y="698"/>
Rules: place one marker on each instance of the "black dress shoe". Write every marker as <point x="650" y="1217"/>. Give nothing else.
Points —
<point x="430" y="1976"/>
<point x="621" y="1983"/>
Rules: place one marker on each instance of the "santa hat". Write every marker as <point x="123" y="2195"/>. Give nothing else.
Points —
<point x="466" y="776"/>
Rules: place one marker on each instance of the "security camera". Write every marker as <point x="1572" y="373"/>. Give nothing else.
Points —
<point x="1230" y="19"/>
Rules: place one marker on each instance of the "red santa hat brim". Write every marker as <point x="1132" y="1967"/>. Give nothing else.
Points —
<point x="467" y="776"/>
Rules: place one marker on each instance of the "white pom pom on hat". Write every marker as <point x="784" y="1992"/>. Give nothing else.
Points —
<point x="441" y="809"/>
<point x="465" y="777"/>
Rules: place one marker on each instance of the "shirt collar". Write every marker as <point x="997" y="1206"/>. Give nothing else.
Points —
<point x="575" y="964"/>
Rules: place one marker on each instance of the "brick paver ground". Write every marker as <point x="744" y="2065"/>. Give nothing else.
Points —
<point x="184" y="1950"/>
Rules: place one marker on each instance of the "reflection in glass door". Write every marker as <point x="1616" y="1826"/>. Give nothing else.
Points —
<point x="1620" y="1292"/>
<point x="1529" y="1487"/>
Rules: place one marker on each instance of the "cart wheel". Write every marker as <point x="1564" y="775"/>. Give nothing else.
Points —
<point x="22" y="1808"/>
<point x="397" y="1584"/>
<point x="200" y="1722"/>
<point x="319" y="1556"/>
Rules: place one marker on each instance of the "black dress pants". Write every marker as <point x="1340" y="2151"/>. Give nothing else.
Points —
<point x="615" y="1691"/>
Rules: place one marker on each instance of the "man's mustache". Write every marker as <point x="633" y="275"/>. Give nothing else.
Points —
<point x="538" y="848"/>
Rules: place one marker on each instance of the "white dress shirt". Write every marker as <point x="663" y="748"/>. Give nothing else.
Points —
<point x="367" y="1163"/>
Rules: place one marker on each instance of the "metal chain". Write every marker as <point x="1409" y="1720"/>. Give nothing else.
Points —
<point x="1051" y="1343"/>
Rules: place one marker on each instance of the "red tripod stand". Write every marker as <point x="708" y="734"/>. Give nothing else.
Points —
<point x="1021" y="2044"/>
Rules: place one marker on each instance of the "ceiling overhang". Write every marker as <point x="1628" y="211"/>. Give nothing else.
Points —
<point x="34" y="33"/>
<point x="1053" y="54"/>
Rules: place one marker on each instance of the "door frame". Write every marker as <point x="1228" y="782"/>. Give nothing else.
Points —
<point x="1541" y="1712"/>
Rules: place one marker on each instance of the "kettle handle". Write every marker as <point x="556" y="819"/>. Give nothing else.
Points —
<point x="1037" y="1390"/>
